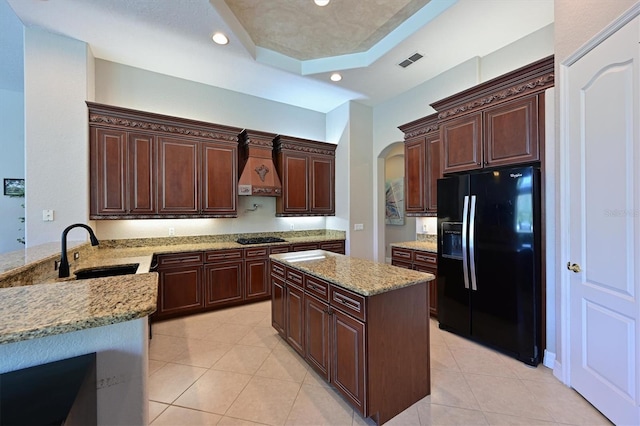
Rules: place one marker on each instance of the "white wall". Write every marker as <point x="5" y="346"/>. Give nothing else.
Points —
<point x="56" y="148"/>
<point x="338" y="132"/>
<point x="135" y="88"/>
<point x="12" y="166"/>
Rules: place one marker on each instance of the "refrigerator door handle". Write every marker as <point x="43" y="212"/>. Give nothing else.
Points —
<point x="465" y="259"/>
<point x="472" y="251"/>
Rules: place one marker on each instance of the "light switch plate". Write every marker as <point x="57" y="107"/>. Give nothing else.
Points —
<point x="358" y="227"/>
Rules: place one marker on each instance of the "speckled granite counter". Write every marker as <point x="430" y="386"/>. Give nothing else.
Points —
<point x="430" y="246"/>
<point x="361" y="276"/>
<point x="34" y="311"/>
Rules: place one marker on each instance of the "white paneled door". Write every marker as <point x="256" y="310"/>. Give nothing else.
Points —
<point x="603" y="159"/>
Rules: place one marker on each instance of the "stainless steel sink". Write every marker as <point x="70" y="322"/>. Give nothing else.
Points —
<point x="106" y="271"/>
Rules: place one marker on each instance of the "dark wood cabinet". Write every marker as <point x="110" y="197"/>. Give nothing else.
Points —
<point x="496" y="123"/>
<point x="307" y="171"/>
<point x="333" y="246"/>
<point x="256" y="273"/>
<point x="374" y="350"/>
<point x="348" y="369"/>
<point x="422" y="166"/>
<point x="122" y="173"/>
<point x="304" y="246"/>
<point x="223" y="284"/>
<point x="178" y="176"/>
<point x="317" y="323"/>
<point x="511" y="132"/>
<point x="419" y="261"/>
<point x="179" y="284"/>
<point x="145" y="165"/>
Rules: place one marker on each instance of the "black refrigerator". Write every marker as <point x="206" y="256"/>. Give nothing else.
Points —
<point x="489" y="266"/>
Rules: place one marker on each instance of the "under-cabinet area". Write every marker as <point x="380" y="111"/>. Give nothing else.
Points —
<point x="361" y="325"/>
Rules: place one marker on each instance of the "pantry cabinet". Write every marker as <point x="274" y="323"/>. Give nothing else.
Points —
<point x="145" y="166"/>
<point x="307" y="171"/>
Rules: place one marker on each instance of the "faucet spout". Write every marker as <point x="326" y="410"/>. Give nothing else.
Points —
<point x="63" y="268"/>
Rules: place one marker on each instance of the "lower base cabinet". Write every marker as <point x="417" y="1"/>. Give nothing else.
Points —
<point x="423" y="262"/>
<point x="373" y="350"/>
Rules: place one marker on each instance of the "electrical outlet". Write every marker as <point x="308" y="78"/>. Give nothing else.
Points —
<point x="172" y="231"/>
<point x="292" y="226"/>
<point x="424" y="227"/>
<point x="47" y="215"/>
<point x="76" y="255"/>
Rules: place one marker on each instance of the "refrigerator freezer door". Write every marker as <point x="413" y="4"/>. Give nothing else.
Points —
<point x="453" y="297"/>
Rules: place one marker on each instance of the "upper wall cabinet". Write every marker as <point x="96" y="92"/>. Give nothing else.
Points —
<point x="496" y="123"/>
<point x="422" y="166"/>
<point x="145" y="165"/>
<point x="307" y="171"/>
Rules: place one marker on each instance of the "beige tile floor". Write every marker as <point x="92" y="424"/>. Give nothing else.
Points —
<point x="229" y="367"/>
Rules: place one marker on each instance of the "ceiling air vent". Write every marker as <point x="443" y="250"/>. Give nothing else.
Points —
<point x="410" y="60"/>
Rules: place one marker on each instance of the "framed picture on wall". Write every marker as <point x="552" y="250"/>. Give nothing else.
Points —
<point x="394" y="202"/>
<point x="14" y="187"/>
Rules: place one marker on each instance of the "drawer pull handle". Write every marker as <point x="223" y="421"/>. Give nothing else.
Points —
<point x="347" y="302"/>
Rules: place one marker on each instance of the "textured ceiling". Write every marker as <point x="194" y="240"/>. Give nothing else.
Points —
<point x="303" y="31"/>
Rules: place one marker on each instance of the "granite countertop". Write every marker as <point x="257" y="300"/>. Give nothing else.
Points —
<point x="34" y="311"/>
<point x="35" y="303"/>
<point x="361" y="276"/>
<point x="429" y="246"/>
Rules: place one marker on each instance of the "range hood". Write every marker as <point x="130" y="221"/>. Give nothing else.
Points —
<point x="258" y="174"/>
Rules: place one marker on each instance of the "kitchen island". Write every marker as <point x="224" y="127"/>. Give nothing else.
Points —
<point x="363" y="326"/>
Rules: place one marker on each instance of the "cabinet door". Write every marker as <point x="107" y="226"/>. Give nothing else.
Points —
<point x="179" y="290"/>
<point x="256" y="278"/>
<point x="108" y="171"/>
<point x="304" y="246"/>
<point x="277" y="304"/>
<point x="178" y="175"/>
<point x="141" y="177"/>
<point x="433" y="288"/>
<point x="511" y="132"/>
<point x="294" y="316"/>
<point x="462" y="143"/>
<point x="433" y="172"/>
<point x="347" y="364"/>
<point x="223" y="283"/>
<point x="414" y="169"/>
<point x="219" y="179"/>
<point x="295" y="184"/>
<point x="322" y="185"/>
<point x="317" y="335"/>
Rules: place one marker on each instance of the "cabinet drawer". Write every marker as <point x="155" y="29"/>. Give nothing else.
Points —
<point x="317" y="287"/>
<point x="401" y="264"/>
<point x="335" y="246"/>
<point x="277" y="269"/>
<point x="279" y="249"/>
<point x="215" y="255"/>
<point x="347" y="301"/>
<point x="180" y="259"/>
<point x="401" y="254"/>
<point x="304" y="246"/>
<point x="256" y="252"/>
<point x="294" y="277"/>
<point x="426" y="258"/>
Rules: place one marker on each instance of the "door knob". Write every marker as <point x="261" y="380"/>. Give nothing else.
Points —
<point x="573" y="267"/>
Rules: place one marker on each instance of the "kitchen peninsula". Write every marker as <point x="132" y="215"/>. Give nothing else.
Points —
<point x="362" y="325"/>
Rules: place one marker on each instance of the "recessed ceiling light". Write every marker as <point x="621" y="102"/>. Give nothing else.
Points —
<point x="220" y="38"/>
<point x="321" y="2"/>
<point x="336" y="77"/>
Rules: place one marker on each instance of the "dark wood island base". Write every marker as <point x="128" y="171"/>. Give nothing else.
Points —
<point x="363" y="326"/>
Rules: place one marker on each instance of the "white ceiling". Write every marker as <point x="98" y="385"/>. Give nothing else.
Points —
<point x="173" y="37"/>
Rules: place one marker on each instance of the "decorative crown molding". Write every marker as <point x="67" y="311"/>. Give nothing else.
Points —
<point x="307" y="149"/>
<point x="422" y="131"/>
<point x="531" y="85"/>
<point x="259" y="142"/>
<point x="145" y="125"/>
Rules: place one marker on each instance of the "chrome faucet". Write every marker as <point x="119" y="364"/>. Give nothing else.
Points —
<point x="63" y="267"/>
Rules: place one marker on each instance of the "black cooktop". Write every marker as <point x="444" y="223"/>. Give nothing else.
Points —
<point x="259" y="240"/>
